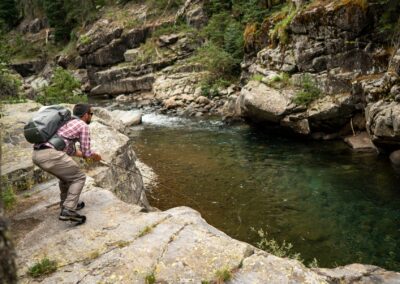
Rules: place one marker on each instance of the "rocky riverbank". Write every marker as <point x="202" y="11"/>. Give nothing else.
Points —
<point x="332" y="78"/>
<point x="121" y="243"/>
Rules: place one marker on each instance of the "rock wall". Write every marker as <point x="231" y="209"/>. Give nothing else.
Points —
<point x="122" y="176"/>
<point x="339" y="48"/>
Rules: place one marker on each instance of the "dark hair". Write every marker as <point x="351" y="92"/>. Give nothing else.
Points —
<point x="81" y="109"/>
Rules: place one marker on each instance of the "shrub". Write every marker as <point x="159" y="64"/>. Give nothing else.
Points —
<point x="8" y="196"/>
<point x="150" y="279"/>
<point x="10" y="87"/>
<point x="280" y="31"/>
<point x="45" y="266"/>
<point x="273" y="247"/>
<point x="62" y="89"/>
<point x="309" y="93"/>
<point x="257" y="77"/>
<point x="280" y="81"/>
<point x="223" y="275"/>
<point x="216" y="60"/>
<point x="145" y="231"/>
<point x="8" y="13"/>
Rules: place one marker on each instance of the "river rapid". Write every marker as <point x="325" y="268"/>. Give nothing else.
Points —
<point x="331" y="203"/>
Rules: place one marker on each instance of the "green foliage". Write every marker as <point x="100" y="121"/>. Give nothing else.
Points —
<point x="210" y="88"/>
<point x="251" y="11"/>
<point x="273" y="247"/>
<point x="150" y="279"/>
<point x="157" y="5"/>
<point x="313" y="263"/>
<point x="170" y="29"/>
<point x="84" y="39"/>
<point x="10" y="87"/>
<point x="9" y="83"/>
<point x="389" y="21"/>
<point x="309" y="93"/>
<point x="45" y="266"/>
<point x="257" y="77"/>
<point x="216" y="6"/>
<point x="61" y="89"/>
<point x="57" y="15"/>
<point x="8" y="196"/>
<point x="280" y="31"/>
<point x="8" y="13"/>
<point x="223" y="275"/>
<point x="145" y="231"/>
<point x="217" y="61"/>
<point x="280" y="81"/>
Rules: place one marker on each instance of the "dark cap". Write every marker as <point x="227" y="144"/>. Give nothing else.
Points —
<point x="81" y="109"/>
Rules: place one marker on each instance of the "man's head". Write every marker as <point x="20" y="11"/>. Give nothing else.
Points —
<point x="84" y="112"/>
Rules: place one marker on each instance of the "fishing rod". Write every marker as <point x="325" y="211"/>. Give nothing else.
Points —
<point x="142" y="176"/>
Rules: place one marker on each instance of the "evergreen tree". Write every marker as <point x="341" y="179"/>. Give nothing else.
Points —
<point x="57" y="16"/>
<point x="8" y="13"/>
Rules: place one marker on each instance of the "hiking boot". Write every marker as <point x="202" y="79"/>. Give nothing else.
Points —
<point x="69" y="215"/>
<point x="79" y="206"/>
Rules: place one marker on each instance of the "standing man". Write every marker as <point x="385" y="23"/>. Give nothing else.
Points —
<point x="60" y="164"/>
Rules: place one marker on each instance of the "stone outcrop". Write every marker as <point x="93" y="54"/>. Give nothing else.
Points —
<point x="261" y="103"/>
<point x="122" y="177"/>
<point x="119" y="243"/>
<point x="383" y="123"/>
<point x="193" y="13"/>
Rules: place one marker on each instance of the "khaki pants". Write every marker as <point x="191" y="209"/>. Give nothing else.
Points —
<point x="72" y="178"/>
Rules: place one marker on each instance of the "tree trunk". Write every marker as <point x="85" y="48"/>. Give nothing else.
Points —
<point x="8" y="271"/>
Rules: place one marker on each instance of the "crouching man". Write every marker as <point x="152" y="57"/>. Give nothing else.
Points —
<point x="60" y="164"/>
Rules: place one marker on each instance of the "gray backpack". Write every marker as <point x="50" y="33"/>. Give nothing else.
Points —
<point x="43" y="126"/>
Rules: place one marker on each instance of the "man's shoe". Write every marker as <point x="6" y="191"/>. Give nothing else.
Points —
<point x="80" y="205"/>
<point x="69" y="215"/>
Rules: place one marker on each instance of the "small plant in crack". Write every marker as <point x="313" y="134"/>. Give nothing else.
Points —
<point x="43" y="267"/>
<point x="145" y="231"/>
<point x="223" y="275"/>
<point x="150" y="279"/>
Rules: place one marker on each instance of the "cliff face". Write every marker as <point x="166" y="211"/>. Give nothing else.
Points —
<point x="324" y="70"/>
<point x="338" y="49"/>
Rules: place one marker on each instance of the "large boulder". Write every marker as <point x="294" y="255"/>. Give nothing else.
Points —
<point x="394" y="64"/>
<point x="124" y="86"/>
<point x="383" y="123"/>
<point x="100" y="35"/>
<point x="261" y="103"/>
<point x="331" y="112"/>
<point x="193" y="13"/>
<point x="120" y="176"/>
<point x="121" y="244"/>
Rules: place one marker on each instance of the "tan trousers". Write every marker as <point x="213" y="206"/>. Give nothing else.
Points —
<point x="72" y="178"/>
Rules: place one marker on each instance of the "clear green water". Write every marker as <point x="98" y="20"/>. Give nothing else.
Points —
<point x="331" y="203"/>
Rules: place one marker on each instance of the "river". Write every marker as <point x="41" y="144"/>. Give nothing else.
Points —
<point x="331" y="203"/>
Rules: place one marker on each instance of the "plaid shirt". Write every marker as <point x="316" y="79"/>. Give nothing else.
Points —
<point x="74" y="131"/>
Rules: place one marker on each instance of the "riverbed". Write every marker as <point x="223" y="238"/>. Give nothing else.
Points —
<point x="331" y="203"/>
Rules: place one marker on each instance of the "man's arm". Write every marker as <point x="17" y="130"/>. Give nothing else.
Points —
<point x="84" y="141"/>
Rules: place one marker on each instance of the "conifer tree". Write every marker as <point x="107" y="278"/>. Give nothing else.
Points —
<point x="57" y="15"/>
<point x="8" y="13"/>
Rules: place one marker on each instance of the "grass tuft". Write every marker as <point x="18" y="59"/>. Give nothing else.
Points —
<point x="44" y="267"/>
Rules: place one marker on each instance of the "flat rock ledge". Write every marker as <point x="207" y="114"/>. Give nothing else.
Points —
<point x="121" y="244"/>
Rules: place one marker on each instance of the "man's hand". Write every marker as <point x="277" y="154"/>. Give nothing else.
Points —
<point x="95" y="157"/>
<point x="78" y="154"/>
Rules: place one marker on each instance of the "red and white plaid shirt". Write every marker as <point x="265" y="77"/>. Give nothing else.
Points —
<point x="75" y="130"/>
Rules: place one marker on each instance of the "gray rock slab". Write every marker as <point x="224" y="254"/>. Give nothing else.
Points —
<point x="128" y="118"/>
<point x="266" y="268"/>
<point x="259" y="102"/>
<point x="360" y="142"/>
